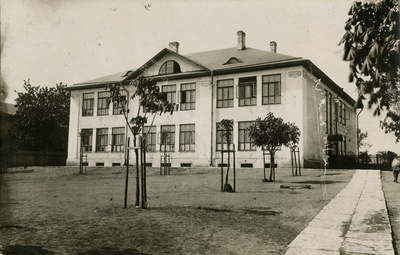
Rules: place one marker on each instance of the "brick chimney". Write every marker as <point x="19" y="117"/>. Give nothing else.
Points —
<point x="241" y="40"/>
<point x="273" y="46"/>
<point x="174" y="46"/>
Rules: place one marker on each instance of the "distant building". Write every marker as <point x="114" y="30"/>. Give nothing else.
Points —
<point x="238" y="83"/>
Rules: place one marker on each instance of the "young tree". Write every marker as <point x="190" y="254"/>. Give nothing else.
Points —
<point x="372" y="46"/>
<point x="226" y="127"/>
<point x="151" y="102"/>
<point x="361" y="139"/>
<point x="292" y="140"/>
<point x="42" y="118"/>
<point x="269" y="133"/>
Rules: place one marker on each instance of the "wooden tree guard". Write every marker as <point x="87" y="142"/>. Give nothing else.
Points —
<point x="295" y="158"/>
<point x="271" y="165"/>
<point x="234" y="167"/>
<point x="165" y="164"/>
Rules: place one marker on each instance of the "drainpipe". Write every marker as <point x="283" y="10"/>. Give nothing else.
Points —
<point x="212" y="120"/>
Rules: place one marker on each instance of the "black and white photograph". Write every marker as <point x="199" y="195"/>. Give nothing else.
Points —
<point x="200" y="127"/>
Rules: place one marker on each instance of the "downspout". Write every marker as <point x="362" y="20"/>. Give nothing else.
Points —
<point x="212" y="120"/>
<point x="126" y="126"/>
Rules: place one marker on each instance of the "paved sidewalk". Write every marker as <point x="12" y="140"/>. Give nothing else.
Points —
<point x="355" y="222"/>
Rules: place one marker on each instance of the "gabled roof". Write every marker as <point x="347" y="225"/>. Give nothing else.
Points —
<point x="157" y="57"/>
<point x="7" y="109"/>
<point x="218" y="59"/>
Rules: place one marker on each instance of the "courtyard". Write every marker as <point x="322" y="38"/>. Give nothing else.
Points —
<point x="54" y="210"/>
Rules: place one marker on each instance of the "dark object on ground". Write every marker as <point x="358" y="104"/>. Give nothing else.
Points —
<point x="292" y="187"/>
<point x="228" y="188"/>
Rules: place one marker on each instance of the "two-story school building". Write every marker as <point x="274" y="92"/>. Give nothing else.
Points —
<point x="238" y="83"/>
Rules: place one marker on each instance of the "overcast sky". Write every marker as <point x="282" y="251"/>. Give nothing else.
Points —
<point x="50" y="41"/>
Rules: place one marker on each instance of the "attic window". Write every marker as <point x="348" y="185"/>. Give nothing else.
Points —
<point x="170" y="66"/>
<point x="233" y="60"/>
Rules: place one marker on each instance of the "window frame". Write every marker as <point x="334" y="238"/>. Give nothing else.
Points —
<point x="117" y="108"/>
<point x="190" y="92"/>
<point x="100" y="147"/>
<point x="247" y="91"/>
<point x="266" y="85"/>
<point x="118" y="136"/>
<point x="221" y="141"/>
<point x="187" y="135"/>
<point x="87" y="147"/>
<point x="168" y="146"/>
<point x="169" y="94"/>
<point x="245" y="143"/>
<point x="169" y="67"/>
<point x="103" y="107"/>
<point x="151" y="138"/>
<point x="225" y="93"/>
<point x="88" y="104"/>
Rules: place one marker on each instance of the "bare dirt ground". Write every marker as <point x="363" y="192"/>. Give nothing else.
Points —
<point x="57" y="211"/>
<point x="392" y="196"/>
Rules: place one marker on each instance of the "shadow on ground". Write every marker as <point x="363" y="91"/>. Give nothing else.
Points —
<point x="25" y="249"/>
<point x="318" y="182"/>
<point x="111" y="251"/>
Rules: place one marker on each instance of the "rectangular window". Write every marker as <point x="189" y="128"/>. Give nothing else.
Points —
<point x="101" y="139"/>
<point x="245" y="143"/>
<point x="88" y="104"/>
<point x="150" y="135"/>
<point x="102" y="104"/>
<point x="167" y="138"/>
<point x="86" y="140"/>
<point x="170" y="93"/>
<point x="188" y="97"/>
<point x="187" y="137"/>
<point x="340" y="111"/>
<point x="118" y="108"/>
<point x="327" y="112"/>
<point x="225" y="93"/>
<point x="344" y="114"/>
<point x="330" y="114"/>
<point x="221" y="141"/>
<point x="271" y="89"/>
<point x="247" y="91"/>
<point x="118" y="139"/>
<point x="344" y="146"/>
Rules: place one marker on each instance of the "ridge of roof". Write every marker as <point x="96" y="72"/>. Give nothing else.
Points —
<point x="218" y="59"/>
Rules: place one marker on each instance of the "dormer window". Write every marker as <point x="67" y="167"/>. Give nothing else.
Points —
<point x="170" y="67"/>
<point x="233" y="60"/>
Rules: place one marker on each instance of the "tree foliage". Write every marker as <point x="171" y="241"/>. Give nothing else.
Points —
<point x="271" y="133"/>
<point x="387" y="156"/>
<point x="292" y="133"/>
<point x="42" y="118"/>
<point x="226" y="127"/>
<point x="361" y="139"/>
<point x="372" y="45"/>
<point x="268" y="133"/>
<point x="151" y="101"/>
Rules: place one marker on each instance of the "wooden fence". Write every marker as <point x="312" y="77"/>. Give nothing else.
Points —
<point x="35" y="158"/>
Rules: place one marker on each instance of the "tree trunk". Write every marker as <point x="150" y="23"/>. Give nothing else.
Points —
<point x="272" y="167"/>
<point x="227" y="170"/>
<point x="137" y="203"/>
<point x="295" y="161"/>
